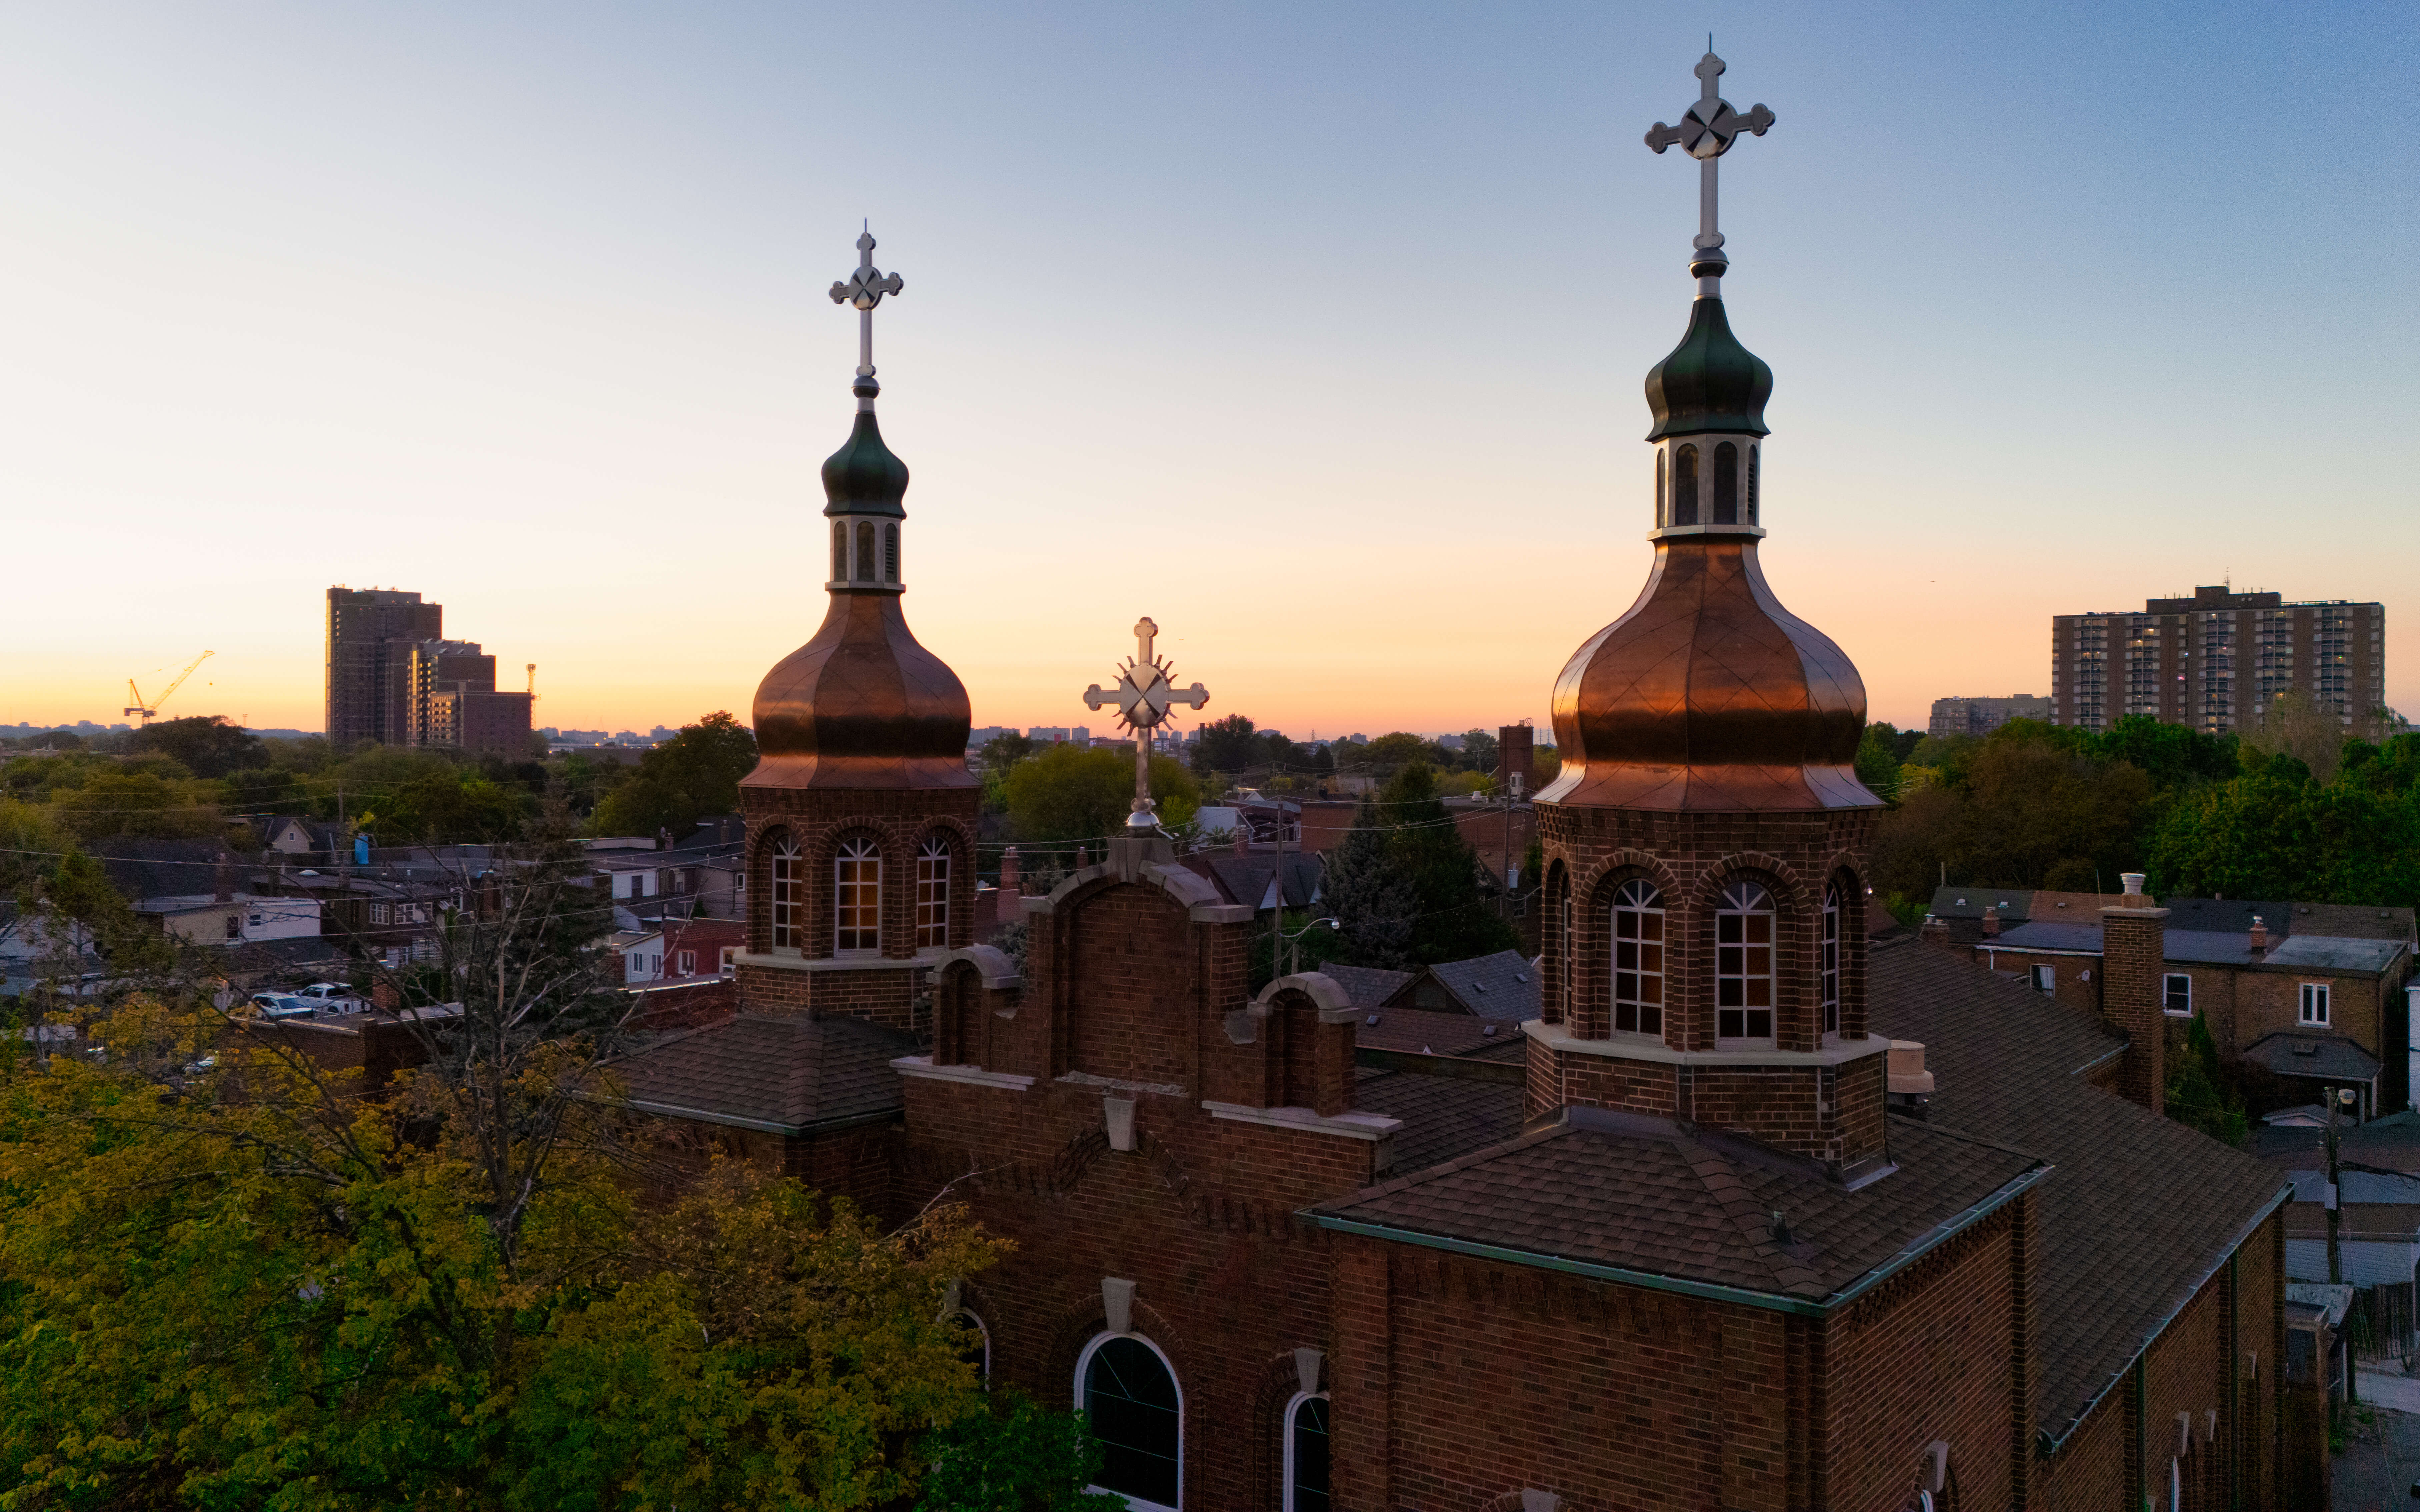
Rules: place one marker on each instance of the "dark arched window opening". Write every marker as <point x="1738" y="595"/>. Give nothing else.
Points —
<point x="1306" y="1467"/>
<point x="1754" y="455"/>
<point x="891" y="553"/>
<point x="977" y="1352"/>
<point x="1129" y="1394"/>
<point x="1638" y="958"/>
<point x="865" y="550"/>
<point x="1744" y="964"/>
<point x="840" y="552"/>
<point x="1684" y="486"/>
<point x="1831" y="962"/>
<point x="1661" y="521"/>
<point x="1727" y="484"/>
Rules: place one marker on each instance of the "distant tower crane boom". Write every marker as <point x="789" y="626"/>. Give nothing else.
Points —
<point x="148" y="708"/>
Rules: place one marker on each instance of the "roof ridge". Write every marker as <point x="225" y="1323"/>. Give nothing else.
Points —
<point x="1746" y="1213"/>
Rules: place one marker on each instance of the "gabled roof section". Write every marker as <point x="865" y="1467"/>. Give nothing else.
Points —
<point x="2140" y="1209"/>
<point x="1503" y="986"/>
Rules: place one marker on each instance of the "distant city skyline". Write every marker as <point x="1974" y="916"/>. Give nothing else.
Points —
<point x="1341" y="340"/>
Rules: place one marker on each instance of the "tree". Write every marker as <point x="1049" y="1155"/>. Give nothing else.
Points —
<point x="261" y="789"/>
<point x="1228" y="744"/>
<point x="233" y="1281"/>
<point x="1395" y="749"/>
<point x="691" y="777"/>
<point x="1371" y="898"/>
<point x="1067" y="794"/>
<point x="2295" y="725"/>
<point x="140" y="803"/>
<point x="1003" y="751"/>
<point x="1878" y="760"/>
<point x="1454" y="921"/>
<point x="208" y="746"/>
<point x="449" y="806"/>
<point x="1478" y="751"/>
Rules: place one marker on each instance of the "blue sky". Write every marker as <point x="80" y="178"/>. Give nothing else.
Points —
<point x="1315" y="333"/>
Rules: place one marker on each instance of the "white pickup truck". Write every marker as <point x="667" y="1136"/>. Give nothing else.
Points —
<point x="329" y="997"/>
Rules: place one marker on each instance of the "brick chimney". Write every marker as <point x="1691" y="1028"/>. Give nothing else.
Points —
<point x="2259" y="936"/>
<point x="1009" y="886"/>
<point x="1935" y="933"/>
<point x="1991" y="920"/>
<point x="1517" y="747"/>
<point x="2134" y="948"/>
<point x="223" y="879"/>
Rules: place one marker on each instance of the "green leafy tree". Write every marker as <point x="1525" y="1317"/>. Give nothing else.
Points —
<point x="1396" y="749"/>
<point x="2198" y="1096"/>
<point x="1479" y="750"/>
<point x="692" y="776"/>
<point x="450" y="806"/>
<point x="1878" y="760"/>
<point x="262" y="790"/>
<point x="208" y="746"/>
<point x="1230" y="745"/>
<point x="1067" y="794"/>
<point x="1371" y="899"/>
<point x="1455" y="920"/>
<point x="140" y="803"/>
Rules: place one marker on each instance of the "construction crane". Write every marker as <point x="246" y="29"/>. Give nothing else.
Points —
<point x="532" y="684"/>
<point x="149" y="707"/>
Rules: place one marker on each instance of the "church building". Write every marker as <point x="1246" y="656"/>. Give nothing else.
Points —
<point x="1758" y="1215"/>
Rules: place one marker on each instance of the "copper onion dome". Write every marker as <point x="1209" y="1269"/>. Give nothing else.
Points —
<point x="1708" y="694"/>
<point x="862" y="704"/>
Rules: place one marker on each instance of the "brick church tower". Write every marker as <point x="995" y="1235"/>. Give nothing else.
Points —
<point x="1706" y="843"/>
<point x="860" y="812"/>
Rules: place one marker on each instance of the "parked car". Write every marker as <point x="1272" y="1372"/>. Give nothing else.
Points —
<point x="282" y="1005"/>
<point x="331" y="996"/>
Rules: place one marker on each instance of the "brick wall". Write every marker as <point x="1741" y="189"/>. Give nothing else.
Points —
<point x="899" y="821"/>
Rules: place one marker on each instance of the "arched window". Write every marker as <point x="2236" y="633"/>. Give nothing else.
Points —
<point x="865" y="550"/>
<point x="1638" y="958"/>
<point x="1124" y="1387"/>
<point x="1831" y="961"/>
<point x="978" y="1346"/>
<point x="788" y="888"/>
<point x="1684" y="486"/>
<point x="857" y="890"/>
<point x="1727" y="484"/>
<point x="1753" y="454"/>
<point x="1306" y="1454"/>
<point x="840" y="551"/>
<point x="933" y="895"/>
<point x="891" y="553"/>
<point x="1660" y="520"/>
<point x="1744" y="964"/>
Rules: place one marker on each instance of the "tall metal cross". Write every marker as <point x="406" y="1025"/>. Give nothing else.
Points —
<point x="1144" y="696"/>
<point x="864" y="289"/>
<point x="1706" y="132"/>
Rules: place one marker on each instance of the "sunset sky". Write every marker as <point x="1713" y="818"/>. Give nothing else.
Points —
<point x="1316" y="332"/>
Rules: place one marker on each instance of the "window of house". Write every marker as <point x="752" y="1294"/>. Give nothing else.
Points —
<point x="857" y="877"/>
<point x="425" y="948"/>
<point x="379" y="912"/>
<point x="1830" y="965"/>
<point x="254" y="919"/>
<point x="933" y="895"/>
<point x="729" y="964"/>
<point x="2315" y="1002"/>
<point x="865" y="550"/>
<point x="1727" y="484"/>
<point x="1306" y="1454"/>
<point x="1127" y="1389"/>
<point x="2045" y="979"/>
<point x="234" y="927"/>
<point x="1638" y="958"/>
<point x="2176" y="992"/>
<point x="1744" y="964"/>
<point x="686" y="963"/>
<point x="1684" y="485"/>
<point x="788" y="887"/>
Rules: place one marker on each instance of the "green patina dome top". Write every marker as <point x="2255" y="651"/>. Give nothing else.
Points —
<point x="1710" y="382"/>
<point x="863" y="477"/>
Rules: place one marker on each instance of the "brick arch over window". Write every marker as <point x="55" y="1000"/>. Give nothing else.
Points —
<point x="1797" y="928"/>
<point x="1849" y="887"/>
<point x="961" y="1018"/>
<point x="1082" y="1320"/>
<point x="1279" y="1384"/>
<point x="1590" y="970"/>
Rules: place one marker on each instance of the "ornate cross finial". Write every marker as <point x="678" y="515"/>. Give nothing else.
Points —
<point x="1144" y="696"/>
<point x="864" y="289"/>
<point x="1706" y="132"/>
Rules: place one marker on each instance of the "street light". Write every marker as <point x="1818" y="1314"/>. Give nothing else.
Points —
<point x="1294" y="939"/>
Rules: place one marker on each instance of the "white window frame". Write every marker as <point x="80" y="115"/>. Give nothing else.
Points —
<point x="1083" y="1368"/>
<point x="933" y="912"/>
<point x="685" y="964"/>
<point x="1286" y="1426"/>
<point x="1639" y="897"/>
<point x="859" y="849"/>
<point x="787" y="898"/>
<point x="2314" y="994"/>
<point x="983" y="1331"/>
<point x="1827" y="964"/>
<point x="2167" y="979"/>
<point x="1727" y="907"/>
<point x="730" y="961"/>
<point x="2044" y="978"/>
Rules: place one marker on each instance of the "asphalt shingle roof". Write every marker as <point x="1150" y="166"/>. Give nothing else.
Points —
<point x="790" y="1073"/>
<point x="1443" y="1115"/>
<point x="1369" y="986"/>
<point x="2323" y="1055"/>
<point x="2138" y="1210"/>
<point x="1501" y="986"/>
<point x="1424" y="1029"/>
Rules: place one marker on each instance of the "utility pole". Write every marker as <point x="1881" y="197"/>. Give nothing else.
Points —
<point x="2341" y="1095"/>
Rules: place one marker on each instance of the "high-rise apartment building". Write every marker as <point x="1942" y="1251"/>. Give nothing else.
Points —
<point x="1981" y="716"/>
<point x="370" y="633"/>
<point x="2212" y="661"/>
<point x="395" y="679"/>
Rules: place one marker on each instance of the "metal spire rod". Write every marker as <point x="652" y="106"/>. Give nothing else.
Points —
<point x="1706" y="132"/>
<point x="864" y="289"/>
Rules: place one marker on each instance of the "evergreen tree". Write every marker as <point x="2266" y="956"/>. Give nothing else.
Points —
<point x="1372" y="900"/>
<point x="1455" y="920"/>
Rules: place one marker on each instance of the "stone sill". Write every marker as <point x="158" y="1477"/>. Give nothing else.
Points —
<point x="922" y="959"/>
<point x="1655" y="1052"/>
<point x="1372" y="1126"/>
<point x="972" y="1075"/>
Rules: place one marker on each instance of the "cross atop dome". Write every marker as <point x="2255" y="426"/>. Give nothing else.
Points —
<point x="1706" y="132"/>
<point x="864" y="289"/>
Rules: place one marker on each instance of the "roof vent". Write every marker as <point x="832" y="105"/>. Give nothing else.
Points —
<point x="1372" y="1019"/>
<point x="1906" y="1072"/>
<point x="1489" y="1032"/>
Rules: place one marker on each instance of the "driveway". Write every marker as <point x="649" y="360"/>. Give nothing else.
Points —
<point x="2376" y="1470"/>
